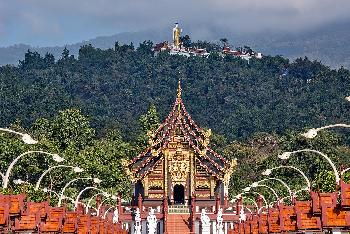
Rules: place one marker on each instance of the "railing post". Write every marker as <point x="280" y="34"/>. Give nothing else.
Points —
<point x="225" y="200"/>
<point x="98" y="201"/>
<point x="120" y="210"/>
<point x="259" y="201"/>
<point x="239" y="205"/>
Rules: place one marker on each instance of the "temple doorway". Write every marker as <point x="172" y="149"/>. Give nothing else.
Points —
<point x="179" y="194"/>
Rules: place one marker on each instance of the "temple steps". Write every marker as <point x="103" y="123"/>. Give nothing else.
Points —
<point x="178" y="224"/>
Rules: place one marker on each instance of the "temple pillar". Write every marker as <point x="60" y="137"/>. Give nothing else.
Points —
<point x="139" y="203"/>
<point x="193" y="214"/>
<point x="217" y="204"/>
<point x="165" y="213"/>
<point x="165" y="172"/>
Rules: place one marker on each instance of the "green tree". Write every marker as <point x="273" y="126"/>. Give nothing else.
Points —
<point x="149" y="122"/>
<point x="186" y="41"/>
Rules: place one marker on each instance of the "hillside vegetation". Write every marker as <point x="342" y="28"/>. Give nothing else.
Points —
<point x="113" y="88"/>
<point x="234" y="98"/>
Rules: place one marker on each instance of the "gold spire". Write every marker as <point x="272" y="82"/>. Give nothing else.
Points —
<point x="179" y="89"/>
<point x="179" y="96"/>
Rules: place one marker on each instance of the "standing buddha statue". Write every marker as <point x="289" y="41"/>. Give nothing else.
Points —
<point x="176" y="35"/>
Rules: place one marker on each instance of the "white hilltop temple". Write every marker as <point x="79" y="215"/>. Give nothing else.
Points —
<point x="177" y="48"/>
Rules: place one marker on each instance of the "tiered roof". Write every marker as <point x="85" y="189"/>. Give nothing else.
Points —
<point x="178" y="122"/>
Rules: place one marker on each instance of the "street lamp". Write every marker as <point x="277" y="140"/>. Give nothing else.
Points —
<point x="99" y="207"/>
<point x="46" y="190"/>
<point x="265" y="186"/>
<point x="19" y="181"/>
<point x="286" y="155"/>
<point x="269" y="171"/>
<point x="73" y="201"/>
<point x="106" y="212"/>
<point x="5" y="181"/>
<point x="259" y="194"/>
<point x="75" y="169"/>
<point x="25" y="137"/>
<point x="90" y="200"/>
<point x="312" y="133"/>
<point x="252" y="200"/>
<point x="82" y="191"/>
<point x="96" y="180"/>
<point x="345" y="170"/>
<point x="276" y="179"/>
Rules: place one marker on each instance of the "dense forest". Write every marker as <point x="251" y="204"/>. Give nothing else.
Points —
<point x="95" y="109"/>
<point x="229" y="95"/>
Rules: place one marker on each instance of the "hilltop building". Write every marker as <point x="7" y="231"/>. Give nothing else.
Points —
<point x="177" y="48"/>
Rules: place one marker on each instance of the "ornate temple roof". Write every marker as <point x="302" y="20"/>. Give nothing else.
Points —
<point x="179" y="123"/>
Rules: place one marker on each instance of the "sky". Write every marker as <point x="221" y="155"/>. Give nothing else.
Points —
<point x="60" y="22"/>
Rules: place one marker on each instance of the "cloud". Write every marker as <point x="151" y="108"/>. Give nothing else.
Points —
<point x="67" y="21"/>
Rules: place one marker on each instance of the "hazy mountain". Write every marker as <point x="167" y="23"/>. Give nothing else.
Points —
<point x="329" y="43"/>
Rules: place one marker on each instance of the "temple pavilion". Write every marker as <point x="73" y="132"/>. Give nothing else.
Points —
<point x="179" y="163"/>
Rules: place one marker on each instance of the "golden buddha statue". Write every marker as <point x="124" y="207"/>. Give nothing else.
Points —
<point x="176" y="35"/>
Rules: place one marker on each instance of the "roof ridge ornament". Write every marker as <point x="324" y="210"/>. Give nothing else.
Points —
<point x="179" y="90"/>
<point x="179" y="93"/>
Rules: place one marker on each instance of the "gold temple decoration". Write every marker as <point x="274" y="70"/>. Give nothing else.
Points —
<point x="145" y="185"/>
<point x="206" y="135"/>
<point x="179" y="90"/>
<point x="128" y="172"/>
<point x="155" y="184"/>
<point x="156" y="195"/>
<point x="212" y="186"/>
<point x="228" y="173"/>
<point x="202" y="184"/>
<point x="179" y="166"/>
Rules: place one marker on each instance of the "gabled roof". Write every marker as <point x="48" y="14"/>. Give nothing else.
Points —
<point x="178" y="120"/>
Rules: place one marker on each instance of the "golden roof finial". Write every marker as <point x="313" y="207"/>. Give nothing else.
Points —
<point x="179" y="89"/>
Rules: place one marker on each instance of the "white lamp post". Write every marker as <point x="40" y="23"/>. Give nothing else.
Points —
<point x="55" y="157"/>
<point x="73" y="201"/>
<point x="90" y="200"/>
<point x="268" y="172"/>
<point x="82" y="191"/>
<point x="286" y="155"/>
<point x="345" y="170"/>
<point x="96" y="180"/>
<point x="259" y="194"/>
<point x="268" y="187"/>
<point x="252" y="200"/>
<point x="25" y="137"/>
<point x="106" y="212"/>
<point x="313" y="131"/>
<point x="19" y="181"/>
<point x="276" y="179"/>
<point x="109" y="197"/>
<point x="75" y="169"/>
<point x="46" y="190"/>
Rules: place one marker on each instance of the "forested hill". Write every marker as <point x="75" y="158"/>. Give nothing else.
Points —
<point x="115" y="86"/>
